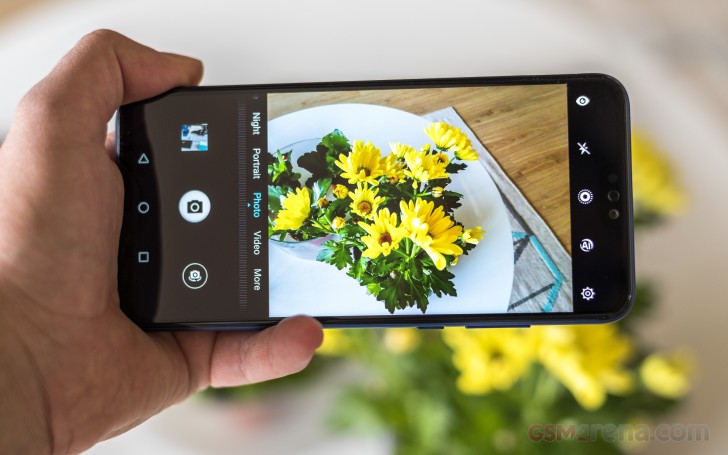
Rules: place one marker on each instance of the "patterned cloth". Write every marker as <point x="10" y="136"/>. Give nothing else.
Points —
<point x="542" y="271"/>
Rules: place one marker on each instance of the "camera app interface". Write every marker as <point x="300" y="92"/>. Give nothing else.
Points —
<point x="387" y="202"/>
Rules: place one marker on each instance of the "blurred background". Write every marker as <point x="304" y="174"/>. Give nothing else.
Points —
<point x="672" y="57"/>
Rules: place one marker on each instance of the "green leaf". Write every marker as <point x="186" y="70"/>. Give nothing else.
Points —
<point x="320" y="187"/>
<point x="440" y="281"/>
<point x="274" y="197"/>
<point x="336" y="142"/>
<point x="336" y="254"/>
<point x="454" y="168"/>
<point x="315" y="163"/>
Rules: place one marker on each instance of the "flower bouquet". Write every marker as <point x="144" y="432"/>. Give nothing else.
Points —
<point x="389" y="221"/>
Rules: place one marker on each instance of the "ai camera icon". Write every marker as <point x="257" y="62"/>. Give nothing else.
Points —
<point x="583" y="100"/>
<point x="586" y="245"/>
<point x="585" y="196"/>
<point x="194" y="276"/>
<point x="588" y="293"/>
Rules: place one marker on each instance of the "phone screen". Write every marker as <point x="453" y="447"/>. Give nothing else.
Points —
<point x="368" y="203"/>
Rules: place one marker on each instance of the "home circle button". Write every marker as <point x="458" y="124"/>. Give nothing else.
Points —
<point x="194" y="276"/>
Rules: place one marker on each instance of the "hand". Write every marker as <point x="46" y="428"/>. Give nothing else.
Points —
<point x="73" y="369"/>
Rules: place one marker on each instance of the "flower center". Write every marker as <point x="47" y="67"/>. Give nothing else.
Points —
<point x="367" y="171"/>
<point x="365" y="207"/>
<point x="385" y="238"/>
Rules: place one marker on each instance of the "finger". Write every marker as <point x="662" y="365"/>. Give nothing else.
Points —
<point x="103" y="71"/>
<point x="110" y="145"/>
<point x="245" y="358"/>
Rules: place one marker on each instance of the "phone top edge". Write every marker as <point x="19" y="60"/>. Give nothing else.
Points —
<point x="421" y="82"/>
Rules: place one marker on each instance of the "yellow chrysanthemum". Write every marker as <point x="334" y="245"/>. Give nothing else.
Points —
<point x="653" y="180"/>
<point x="437" y="191"/>
<point x="365" y="201"/>
<point x="432" y="230"/>
<point x="423" y="167"/>
<point x="589" y="360"/>
<point x="296" y="207"/>
<point x="474" y="235"/>
<point x="393" y="168"/>
<point x="361" y="164"/>
<point x="338" y="223"/>
<point x="340" y="191"/>
<point x="447" y="137"/>
<point x="322" y="202"/>
<point x="401" y="340"/>
<point x="492" y="359"/>
<point x="383" y="234"/>
<point x="399" y="150"/>
<point x="667" y="375"/>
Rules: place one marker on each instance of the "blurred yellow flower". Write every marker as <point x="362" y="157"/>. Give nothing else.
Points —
<point x="430" y="229"/>
<point x="489" y="359"/>
<point x="423" y="167"/>
<point x="653" y="180"/>
<point x="322" y="202"/>
<point x="335" y="343"/>
<point x="340" y="191"/>
<point x="667" y="376"/>
<point x="393" y="168"/>
<point x="365" y="201"/>
<point x="338" y="223"/>
<point x="401" y="340"/>
<point x="361" y="164"/>
<point x="437" y="191"/>
<point x="447" y="137"/>
<point x="474" y="235"/>
<point x="296" y="207"/>
<point x="384" y="234"/>
<point x="589" y="360"/>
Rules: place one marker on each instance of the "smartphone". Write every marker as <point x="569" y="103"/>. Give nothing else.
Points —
<point x="479" y="202"/>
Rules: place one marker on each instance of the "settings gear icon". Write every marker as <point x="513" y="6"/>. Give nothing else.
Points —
<point x="587" y="293"/>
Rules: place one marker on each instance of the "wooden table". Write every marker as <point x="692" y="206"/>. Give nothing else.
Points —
<point x="524" y="128"/>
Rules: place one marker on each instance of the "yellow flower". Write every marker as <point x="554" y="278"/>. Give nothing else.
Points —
<point x="340" y="191"/>
<point x="338" y="223"/>
<point x="653" y="180"/>
<point x="432" y="230"/>
<point x="423" y="167"/>
<point x="447" y="137"/>
<point x="399" y="150"/>
<point x="362" y="163"/>
<point x="474" y="235"/>
<point x="365" y="201"/>
<point x="393" y="168"/>
<point x="322" y="202"/>
<point x="401" y="340"/>
<point x="296" y="207"/>
<point x="384" y="234"/>
<point x="667" y="376"/>
<point x="589" y="360"/>
<point x="492" y="359"/>
<point x="335" y="343"/>
<point x="437" y="191"/>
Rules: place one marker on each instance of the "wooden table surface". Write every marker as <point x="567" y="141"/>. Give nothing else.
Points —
<point x="523" y="127"/>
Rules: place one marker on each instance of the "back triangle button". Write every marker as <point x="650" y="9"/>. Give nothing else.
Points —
<point x="143" y="159"/>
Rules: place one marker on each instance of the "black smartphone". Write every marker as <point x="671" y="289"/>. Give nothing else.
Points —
<point x="483" y="202"/>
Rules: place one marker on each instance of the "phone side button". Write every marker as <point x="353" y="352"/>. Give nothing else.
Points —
<point x="497" y="326"/>
<point x="431" y="327"/>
